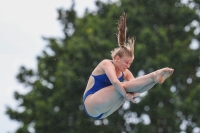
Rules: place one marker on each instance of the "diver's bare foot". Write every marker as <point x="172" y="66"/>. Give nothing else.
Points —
<point x="162" y="74"/>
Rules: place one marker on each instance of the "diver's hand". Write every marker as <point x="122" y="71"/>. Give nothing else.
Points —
<point x="130" y="96"/>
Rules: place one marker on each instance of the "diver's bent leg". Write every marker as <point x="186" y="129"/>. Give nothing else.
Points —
<point x="158" y="76"/>
<point x="146" y="88"/>
<point x="114" y="107"/>
<point x="136" y="84"/>
<point x="102" y="101"/>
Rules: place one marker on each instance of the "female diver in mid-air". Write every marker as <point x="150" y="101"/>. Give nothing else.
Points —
<point x="105" y="91"/>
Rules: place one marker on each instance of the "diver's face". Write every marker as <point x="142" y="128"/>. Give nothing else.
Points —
<point x="123" y="63"/>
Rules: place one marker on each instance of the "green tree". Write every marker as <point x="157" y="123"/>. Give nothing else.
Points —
<point x="164" y="31"/>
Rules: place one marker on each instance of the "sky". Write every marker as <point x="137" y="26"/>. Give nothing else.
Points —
<point x="23" y="23"/>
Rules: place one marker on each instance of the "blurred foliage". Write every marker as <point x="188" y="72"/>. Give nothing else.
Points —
<point x="164" y="31"/>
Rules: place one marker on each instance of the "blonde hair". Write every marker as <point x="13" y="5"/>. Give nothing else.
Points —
<point x="124" y="48"/>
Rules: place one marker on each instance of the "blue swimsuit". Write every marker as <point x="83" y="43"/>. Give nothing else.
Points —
<point x="100" y="81"/>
